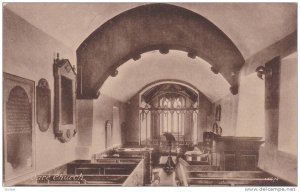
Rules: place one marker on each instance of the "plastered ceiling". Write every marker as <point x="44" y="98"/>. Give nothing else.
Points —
<point x="251" y="27"/>
<point x="154" y="66"/>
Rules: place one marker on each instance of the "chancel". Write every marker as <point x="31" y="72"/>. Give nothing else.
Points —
<point x="141" y="94"/>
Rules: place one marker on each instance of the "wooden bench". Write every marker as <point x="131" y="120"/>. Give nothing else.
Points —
<point x="105" y="180"/>
<point x="230" y="178"/>
<point x="83" y="172"/>
<point x="145" y="153"/>
<point x="194" y="175"/>
<point x="105" y="172"/>
<point x="99" y="168"/>
<point x="102" y="180"/>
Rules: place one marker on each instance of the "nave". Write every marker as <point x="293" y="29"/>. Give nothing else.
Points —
<point x="152" y="166"/>
<point x="150" y="94"/>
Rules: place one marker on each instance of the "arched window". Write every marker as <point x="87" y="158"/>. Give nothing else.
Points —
<point x="169" y="108"/>
<point x="172" y="116"/>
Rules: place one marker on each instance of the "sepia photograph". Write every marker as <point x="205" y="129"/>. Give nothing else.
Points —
<point x="165" y="94"/>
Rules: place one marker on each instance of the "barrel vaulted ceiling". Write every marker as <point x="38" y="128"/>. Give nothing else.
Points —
<point x="250" y="26"/>
<point x="154" y="66"/>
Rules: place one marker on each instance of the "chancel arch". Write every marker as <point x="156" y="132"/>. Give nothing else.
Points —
<point x="160" y="27"/>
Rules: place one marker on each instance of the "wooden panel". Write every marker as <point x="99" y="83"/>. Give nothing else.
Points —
<point x="75" y="168"/>
<point x="238" y="153"/>
<point x="230" y="181"/>
<point x="145" y="153"/>
<point x="103" y="180"/>
<point x="136" y="178"/>
<point x="106" y="178"/>
<point x="228" y="174"/>
<point x="202" y="168"/>
<point x="229" y="162"/>
<point x="87" y="171"/>
<point x="247" y="162"/>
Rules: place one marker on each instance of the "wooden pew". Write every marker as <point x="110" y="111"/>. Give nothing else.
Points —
<point x="99" y="168"/>
<point x="109" y="171"/>
<point x="103" y="172"/>
<point x="230" y="178"/>
<point x="195" y="176"/>
<point x="136" y="178"/>
<point x="228" y="174"/>
<point x="145" y="153"/>
<point x="101" y="180"/>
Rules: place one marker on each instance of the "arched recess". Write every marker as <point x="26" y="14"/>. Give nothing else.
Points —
<point x="188" y="86"/>
<point x="185" y="121"/>
<point x="153" y="27"/>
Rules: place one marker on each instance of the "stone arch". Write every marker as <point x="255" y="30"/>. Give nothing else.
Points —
<point x="150" y="27"/>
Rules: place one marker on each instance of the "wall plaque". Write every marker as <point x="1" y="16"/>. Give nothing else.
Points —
<point x="64" y="100"/>
<point x="43" y="105"/>
<point x="18" y="119"/>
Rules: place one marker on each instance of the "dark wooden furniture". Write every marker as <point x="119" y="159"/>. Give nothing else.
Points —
<point x="209" y="143"/>
<point x="237" y="153"/>
<point x="145" y="153"/>
<point x="86" y="167"/>
<point x="232" y="178"/>
<point x="109" y="172"/>
<point x="195" y="175"/>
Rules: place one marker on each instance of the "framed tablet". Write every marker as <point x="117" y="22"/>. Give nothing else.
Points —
<point x="64" y="100"/>
<point x="18" y="118"/>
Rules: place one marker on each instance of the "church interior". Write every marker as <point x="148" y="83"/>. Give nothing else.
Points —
<point x="142" y="94"/>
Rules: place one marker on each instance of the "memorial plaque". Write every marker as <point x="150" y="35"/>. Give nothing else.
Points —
<point x="18" y="126"/>
<point x="64" y="99"/>
<point x="43" y="105"/>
